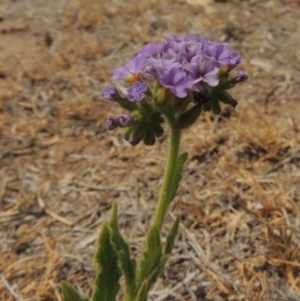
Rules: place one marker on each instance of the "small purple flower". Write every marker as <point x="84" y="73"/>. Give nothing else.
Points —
<point x="131" y="69"/>
<point x="137" y="91"/>
<point x="152" y="50"/>
<point x="110" y="93"/>
<point x="112" y="124"/>
<point x="190" y="50"/>
<point x="234" y="60"/>
<point x="187" y="47"/>
<point x="241" y="77"/>
<point x="125" y="119"/>
<point x="219" y="52"/>
<point x="175" y="80"/>
<point x="202" y="70"/>
<point x="175" y="48"/>
<point x="159" y="66"/>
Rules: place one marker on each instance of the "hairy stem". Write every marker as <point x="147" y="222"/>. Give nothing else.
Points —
<point x="129" y="296"/>
<point x="164" y="200"/>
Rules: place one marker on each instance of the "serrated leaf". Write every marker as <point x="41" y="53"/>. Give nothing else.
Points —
<point x="121" y="247"/>
<point x="106" y="285"/>
<point x="143" y="292"/>
<point x="172" y="236"/>
<point x="151" y="255"/>
<point x="152" y="277"/>
<point x="153" y="262"/>
<point x="178" y="175"/>
<point x="70" y="293"/>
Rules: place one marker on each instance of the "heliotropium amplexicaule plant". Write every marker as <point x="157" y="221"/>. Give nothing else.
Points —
<point x="172" y="81"/>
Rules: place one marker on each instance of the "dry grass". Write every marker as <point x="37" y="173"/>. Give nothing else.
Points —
<point x="61" y="171"/>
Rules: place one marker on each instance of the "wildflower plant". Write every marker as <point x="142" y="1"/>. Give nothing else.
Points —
<point x="171" y="82"/>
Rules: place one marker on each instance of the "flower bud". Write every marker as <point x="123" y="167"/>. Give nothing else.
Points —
<point x="125" y="119"/>
<point x="241" y="77"/>
<point x="134" y="134"/>
<point x="112" y="124"/>
<point x="160" y="96"/>
<point x="110" y="93"/>
<point x="233" y="102"/>
<point x="134" y="141"/>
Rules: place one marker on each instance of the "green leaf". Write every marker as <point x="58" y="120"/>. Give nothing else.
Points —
<point x="172" y="236"/>
<point x="225" y="81"/>
<point x="189" y="117"/>
<point x="159" y="131"/>
<point x="121" y="247"/>
<point x="178" y="175"/>
<point x="136" y="130"/>
<point x="224" y="97"/>
<point x="149" y="138"/>
<point x="159" y="268"/>
<point x="106" y="285"/>
<point x="128" y="105"/>
<point x="206" y="107"/>
<point x="151" y="255"/>
<point x="70" y="293"/>
<point x="143" y="292"/>
<point x="152" y="277"/>
<point x="215" y="106"/>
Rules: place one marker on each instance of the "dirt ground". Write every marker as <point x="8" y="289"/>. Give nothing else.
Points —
<point x="61" y="171"/>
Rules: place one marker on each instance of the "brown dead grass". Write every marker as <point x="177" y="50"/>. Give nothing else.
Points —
<point x="61" y="171"/>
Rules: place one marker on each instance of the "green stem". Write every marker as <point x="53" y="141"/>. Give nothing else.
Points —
<point x="129" y="296"/>
<point x="164" y="201"/>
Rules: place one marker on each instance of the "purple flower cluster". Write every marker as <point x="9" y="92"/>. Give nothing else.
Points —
<point x="190" y="68"/>
<point x="181" y="64"/>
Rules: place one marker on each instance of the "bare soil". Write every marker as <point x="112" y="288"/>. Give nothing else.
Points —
<point x="61" y="171"/>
